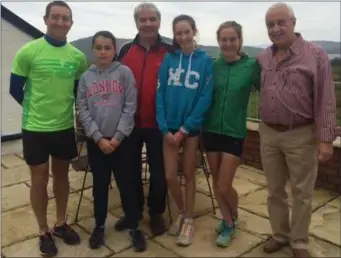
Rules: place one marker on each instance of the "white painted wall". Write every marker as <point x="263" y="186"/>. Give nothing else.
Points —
<point x="11" y="40"/>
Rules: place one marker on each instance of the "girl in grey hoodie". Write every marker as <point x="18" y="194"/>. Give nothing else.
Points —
<point x="106" y="101"/>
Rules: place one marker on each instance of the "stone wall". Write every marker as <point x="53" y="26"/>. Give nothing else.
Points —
<point x="329" y="174"/>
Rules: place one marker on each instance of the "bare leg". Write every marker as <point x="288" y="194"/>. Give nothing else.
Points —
<point x="38" y="194"/>
<point x="60" y="172"/>
<point x="227" y="171"/>
<point x="190" y="150"/>
<point x="170" y="156"/>
<point x="214" y="160"/>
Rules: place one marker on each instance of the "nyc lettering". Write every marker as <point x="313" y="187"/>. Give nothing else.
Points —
<point x="105" y="86"/>
<point x="174" y="78"/>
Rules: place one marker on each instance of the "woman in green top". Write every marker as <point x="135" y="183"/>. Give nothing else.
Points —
<point x="224" y="130"/>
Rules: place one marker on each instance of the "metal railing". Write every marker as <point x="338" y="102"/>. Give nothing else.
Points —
<point x="252" y="108"/>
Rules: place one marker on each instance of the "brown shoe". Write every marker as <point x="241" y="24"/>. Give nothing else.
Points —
<point x="272" y="245"/>
<point x="157" y="225"/>
<point x="300" y="253"/>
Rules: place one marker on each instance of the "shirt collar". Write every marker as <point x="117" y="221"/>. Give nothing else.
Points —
<point x="153" y="47"/>
<point x="295" y="46"/>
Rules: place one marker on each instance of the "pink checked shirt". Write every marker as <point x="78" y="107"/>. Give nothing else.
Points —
<point x="299" y="88"/>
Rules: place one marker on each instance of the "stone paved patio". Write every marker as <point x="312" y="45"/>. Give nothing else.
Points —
<point x="19" y="231"/>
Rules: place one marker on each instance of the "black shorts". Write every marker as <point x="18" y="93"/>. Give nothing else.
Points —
<point x="222" y="143"/>
<point x="39" y="146"/>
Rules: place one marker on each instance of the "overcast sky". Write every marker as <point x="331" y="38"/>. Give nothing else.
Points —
<point x="315" y="20"/>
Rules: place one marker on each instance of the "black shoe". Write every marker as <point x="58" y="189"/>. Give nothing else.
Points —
<point x="97" y="238"/>
<point x="66" y="233"/>
<point x="138" y="240"/>
<point x="122" y="224"/>
<point x="157" y="225"/>
<point x="47" y="246"/>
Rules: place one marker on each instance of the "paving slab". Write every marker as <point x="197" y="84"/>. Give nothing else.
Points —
<point x="246" y="167"/>
<point x="326" y="224"/>
<point x="29" y="248"/>
<point x="202" y="206"/>
<point x="153" y="250"/>
<point x="320" y="197"/>
<point x="256" y="203"/>
<point x="20" y="224"/>
<point x="317" y="248"/>
<point x="76" y="180"/>
<point x="253" y="176"/>
<point x="17" y="225"/>
<point x="251" y="223"/>
<point x="14" y="196"/>
<point x="116" y="241"/>
<point x="20" y="155"/>
<point x="15" y="175"/>
<point x="11" y="160"/>
<point x="335" y="203"/>
<point x="243" y="187"/>
<point x="204" y="242"/>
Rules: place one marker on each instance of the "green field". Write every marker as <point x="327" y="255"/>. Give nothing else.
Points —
<point x="253" y="102"/>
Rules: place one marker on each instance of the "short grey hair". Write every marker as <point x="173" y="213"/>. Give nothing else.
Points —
<point x="146" y="5"/>
<point x="286" y="6"/>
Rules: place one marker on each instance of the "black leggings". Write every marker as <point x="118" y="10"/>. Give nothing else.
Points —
<point x="102" y="165"/>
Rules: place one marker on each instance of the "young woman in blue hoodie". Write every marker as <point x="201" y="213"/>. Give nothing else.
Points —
<point x="183" y="97"/>
<point x="106" y="103"/>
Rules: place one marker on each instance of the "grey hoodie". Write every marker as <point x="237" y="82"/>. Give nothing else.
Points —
<point x="106" y="101"/>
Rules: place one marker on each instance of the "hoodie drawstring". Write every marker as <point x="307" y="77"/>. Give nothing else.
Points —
<point x="189" y="64"/>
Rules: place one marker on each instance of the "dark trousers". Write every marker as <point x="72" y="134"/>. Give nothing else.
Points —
<point x="102" y="165"/>
<point x="158" y="186"/>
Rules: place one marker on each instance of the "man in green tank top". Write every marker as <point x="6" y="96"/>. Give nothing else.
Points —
<point x="44" y="81"/>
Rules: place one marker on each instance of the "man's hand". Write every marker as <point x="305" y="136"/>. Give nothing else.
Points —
<point x="105" y="146"/>
<point x="114" y="143"/>
<point x="325" y="151"/>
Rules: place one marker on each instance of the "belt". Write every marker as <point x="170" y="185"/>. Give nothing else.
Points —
<point x="284" y="128"/>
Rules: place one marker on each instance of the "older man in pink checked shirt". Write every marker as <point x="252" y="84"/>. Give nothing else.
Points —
<point x="298" y="113"/>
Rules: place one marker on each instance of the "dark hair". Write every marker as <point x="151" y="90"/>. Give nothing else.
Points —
<point x="56" y="3"/>
<point x="237" y="28"/>
<point x="182" y="17"/>
<point x="105" y="34"/>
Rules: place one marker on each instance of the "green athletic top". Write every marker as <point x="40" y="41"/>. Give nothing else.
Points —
<point x="51" y="73"/>
<point x="232" y="87"/>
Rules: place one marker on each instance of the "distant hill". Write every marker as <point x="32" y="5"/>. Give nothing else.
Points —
<point x="84" y="44"/>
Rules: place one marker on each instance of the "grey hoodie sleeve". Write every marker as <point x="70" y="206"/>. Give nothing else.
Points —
<point x="90" y="127"/>
<point x="127" y="123"/>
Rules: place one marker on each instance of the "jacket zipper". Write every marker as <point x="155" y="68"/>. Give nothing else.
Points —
<point x="142" y="76"/>
<point x="223" y="106"/>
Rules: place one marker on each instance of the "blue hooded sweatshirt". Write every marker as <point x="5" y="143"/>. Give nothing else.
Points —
<point x="184" y="91"/>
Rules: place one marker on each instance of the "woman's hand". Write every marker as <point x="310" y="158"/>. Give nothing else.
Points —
<point x="105" y="146"/>
<point x="179" y="137"/>
<point x="170" y="139"/>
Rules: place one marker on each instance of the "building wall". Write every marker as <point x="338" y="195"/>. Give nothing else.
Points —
<point x="11" y="40"/>
<point x="329" y="174"/>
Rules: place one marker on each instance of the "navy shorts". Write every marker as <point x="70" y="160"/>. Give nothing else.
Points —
<point x="222" y="143"/>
